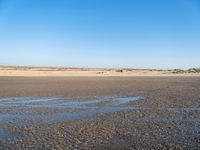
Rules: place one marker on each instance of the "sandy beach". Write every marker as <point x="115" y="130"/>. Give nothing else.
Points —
<point x="97" y="72"/>
<point x="99" y="75"/>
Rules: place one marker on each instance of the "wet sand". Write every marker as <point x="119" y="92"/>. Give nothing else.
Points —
<point x="99" y="112"/>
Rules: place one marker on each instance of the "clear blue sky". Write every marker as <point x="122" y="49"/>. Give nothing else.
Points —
<point x="100" y="33"/>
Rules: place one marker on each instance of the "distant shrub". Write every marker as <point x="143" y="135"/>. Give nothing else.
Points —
<point x="194" y="70"/>
<point x="100" y="72"/>
<point x="119" y="70"/>
<point x="179" y="71"/>
<point x="128" y="69"/>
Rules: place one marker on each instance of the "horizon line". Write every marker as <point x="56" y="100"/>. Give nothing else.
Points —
<point x="73" y="67"/>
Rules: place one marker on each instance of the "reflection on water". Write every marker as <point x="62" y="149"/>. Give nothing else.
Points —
<point x="20" y="109"/>
<point x="4" y="134"/>
<point x="60" y="101"/>
<point x="128" y="99"/>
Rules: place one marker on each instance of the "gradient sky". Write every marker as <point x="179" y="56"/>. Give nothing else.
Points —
<point x="100" y="33"/>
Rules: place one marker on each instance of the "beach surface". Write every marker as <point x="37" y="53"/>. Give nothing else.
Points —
<point x="91" y="72"/>
<point x="93" y="112"/>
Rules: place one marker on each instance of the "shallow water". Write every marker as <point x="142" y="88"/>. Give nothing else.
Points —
<point x="128" y="99"/>
<point x="61" y="101"/>
<point x="4" y="134"/>
<point x="19" y="111"/>
<point x="21" y="108"/>
<point x="17" y="101"/>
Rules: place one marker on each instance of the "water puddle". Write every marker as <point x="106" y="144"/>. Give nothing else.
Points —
<point x="4" y="134"/>
<point x="61" y="101"/>
<point x="182" y="110"/>
<point x="177" y="120"/>
<point x="25" y="101"/>
<point x="19" y="109"/>
<point x="30" y="111"/>
<point x="128" y="99"/>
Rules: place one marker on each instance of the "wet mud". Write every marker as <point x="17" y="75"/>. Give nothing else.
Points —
<point x="100" y="113"/>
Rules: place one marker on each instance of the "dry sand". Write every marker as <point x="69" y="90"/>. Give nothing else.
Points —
<point x="49" y="71"/>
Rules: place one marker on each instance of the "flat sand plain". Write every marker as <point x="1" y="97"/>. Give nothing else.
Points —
<point x="63" y="72"/>
<point x="99" y="113"/>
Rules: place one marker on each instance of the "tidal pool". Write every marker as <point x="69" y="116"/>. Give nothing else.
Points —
<point x="17" y="110"/>
<point x="5" y="134"/>
<point x="20" y="111"/>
